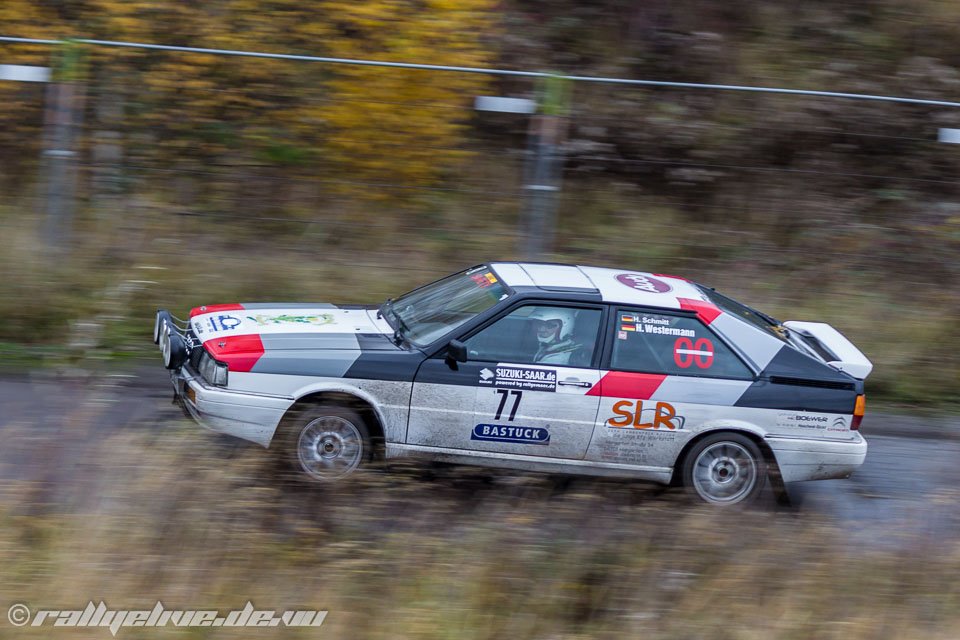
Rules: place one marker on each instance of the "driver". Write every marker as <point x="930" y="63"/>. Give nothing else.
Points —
<point x="554" y="327"/>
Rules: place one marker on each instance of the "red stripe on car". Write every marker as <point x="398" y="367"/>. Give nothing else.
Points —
<point x="214" y="308"/>
<point x="239" y="352"/>
<point x="620" y="384"/>
<point x="706" y="311"/>
<point x="667" y="275"/>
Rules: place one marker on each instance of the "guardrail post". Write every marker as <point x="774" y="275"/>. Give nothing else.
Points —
<point x="544" y="166"/>
<point x="64" y="114"/>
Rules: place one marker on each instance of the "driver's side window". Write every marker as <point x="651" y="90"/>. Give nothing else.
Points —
<point x="539" y="334"/>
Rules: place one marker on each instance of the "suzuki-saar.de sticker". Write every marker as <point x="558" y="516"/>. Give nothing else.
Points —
<point x="515" y="377"/>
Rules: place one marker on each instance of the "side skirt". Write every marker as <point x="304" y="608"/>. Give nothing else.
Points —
<point x="661" y="475"/>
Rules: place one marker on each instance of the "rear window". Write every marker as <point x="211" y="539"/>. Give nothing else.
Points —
<point x="758" y="319"/>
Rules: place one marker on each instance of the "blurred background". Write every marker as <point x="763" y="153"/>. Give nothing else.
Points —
<point x="134" y="178"/>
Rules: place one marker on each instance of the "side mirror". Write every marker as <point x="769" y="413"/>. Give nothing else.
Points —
<point x="457" y="351"/>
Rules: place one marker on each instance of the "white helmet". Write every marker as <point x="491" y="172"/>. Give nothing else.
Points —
<point x="554" y="324"/>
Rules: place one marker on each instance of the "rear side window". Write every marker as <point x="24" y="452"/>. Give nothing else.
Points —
<point x="672" y="345"/>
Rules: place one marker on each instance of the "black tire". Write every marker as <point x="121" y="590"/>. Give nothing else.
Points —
<point x="724" y="469"/>
<point x="323" y="443"/>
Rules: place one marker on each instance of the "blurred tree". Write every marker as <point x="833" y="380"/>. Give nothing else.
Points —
<point x="401" y="125"/>
<point x="378" y="124"/>
<point x="269" y="120"/>
<point x="271" y="117"/>
<point x="21" y="118"/>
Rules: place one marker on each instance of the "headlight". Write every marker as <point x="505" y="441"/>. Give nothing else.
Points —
<point x="220" y="374"/>
<point x="212" y="371"/>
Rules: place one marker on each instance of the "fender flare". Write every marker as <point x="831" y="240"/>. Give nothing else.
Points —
<point x="736" y="426"/>
<point x="339" y="387"/>
<point x="725" y="424"/>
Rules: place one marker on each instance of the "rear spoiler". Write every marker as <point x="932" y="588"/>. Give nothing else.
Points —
<point x="833" y="347"/>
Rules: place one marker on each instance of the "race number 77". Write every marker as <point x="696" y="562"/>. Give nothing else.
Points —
<point x="517" y="395"/>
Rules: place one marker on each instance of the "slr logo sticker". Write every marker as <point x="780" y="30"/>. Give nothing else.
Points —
<point x="633" y="415"/>
<point x="516" y="435"/>
<point x="641" y="282"/>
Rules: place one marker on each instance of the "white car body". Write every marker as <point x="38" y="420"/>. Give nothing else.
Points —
<point x="794" y="397"/>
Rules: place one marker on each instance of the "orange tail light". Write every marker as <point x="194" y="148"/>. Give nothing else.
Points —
<point x="858" y="410"/>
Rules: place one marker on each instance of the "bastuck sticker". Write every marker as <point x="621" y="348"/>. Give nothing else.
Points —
<point x="515" y="377"/>
<point x="517" y="435"/>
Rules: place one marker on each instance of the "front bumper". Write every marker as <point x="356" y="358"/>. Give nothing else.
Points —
<point x="817" y="459"/>
<point x="253" y="417"/>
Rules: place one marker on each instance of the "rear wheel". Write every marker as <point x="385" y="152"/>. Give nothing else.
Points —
<point x="325" y="443"/>
<point x="725" y="469"/>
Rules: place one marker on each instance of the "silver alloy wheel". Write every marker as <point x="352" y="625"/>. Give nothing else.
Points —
<point x="725" y="472"/>
<point x="329" y="447"/>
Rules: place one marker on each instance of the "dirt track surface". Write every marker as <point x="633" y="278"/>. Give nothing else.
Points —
<point x="911" y="461"/>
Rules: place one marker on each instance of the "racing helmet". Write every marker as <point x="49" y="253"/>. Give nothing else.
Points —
<point x="553" y="324"/>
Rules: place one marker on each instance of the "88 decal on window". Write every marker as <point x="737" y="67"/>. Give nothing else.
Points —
<point x="686" y="353"/>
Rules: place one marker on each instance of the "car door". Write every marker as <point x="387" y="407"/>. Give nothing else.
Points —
<point x="667" y="374"/>
<point x="524" y="398"/>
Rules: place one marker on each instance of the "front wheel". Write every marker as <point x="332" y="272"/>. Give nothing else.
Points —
<point x="725" y="469"/>
<point x="325" y="443"/>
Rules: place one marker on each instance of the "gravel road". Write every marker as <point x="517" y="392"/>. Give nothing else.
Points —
<point x="911" y="460"/>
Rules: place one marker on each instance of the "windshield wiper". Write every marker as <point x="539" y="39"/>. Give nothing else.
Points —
<point x="386" y="304"/>
<point x="387" y="311"/>
<point x="775" y="325"/>
<point x="400" y="329"/>
<point x="767" y="318"/>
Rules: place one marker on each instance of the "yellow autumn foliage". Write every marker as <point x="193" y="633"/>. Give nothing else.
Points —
<point x="361" y="124"/>
<point x="400" y="122"/>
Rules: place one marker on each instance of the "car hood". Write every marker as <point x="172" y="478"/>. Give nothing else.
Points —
<point x="287" y="326"/>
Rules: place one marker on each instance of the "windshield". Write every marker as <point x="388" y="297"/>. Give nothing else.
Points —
<point x="757" y="318"/>
<point x="427" y="313"/>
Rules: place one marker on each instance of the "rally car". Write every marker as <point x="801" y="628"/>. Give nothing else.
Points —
<point x="545" y="367"/>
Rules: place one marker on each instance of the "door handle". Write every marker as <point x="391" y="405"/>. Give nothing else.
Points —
<point x="571" y="383"/>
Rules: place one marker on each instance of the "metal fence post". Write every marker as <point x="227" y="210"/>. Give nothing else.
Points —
<point x="545" y="166"/>
<point x="64" y="109"/>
